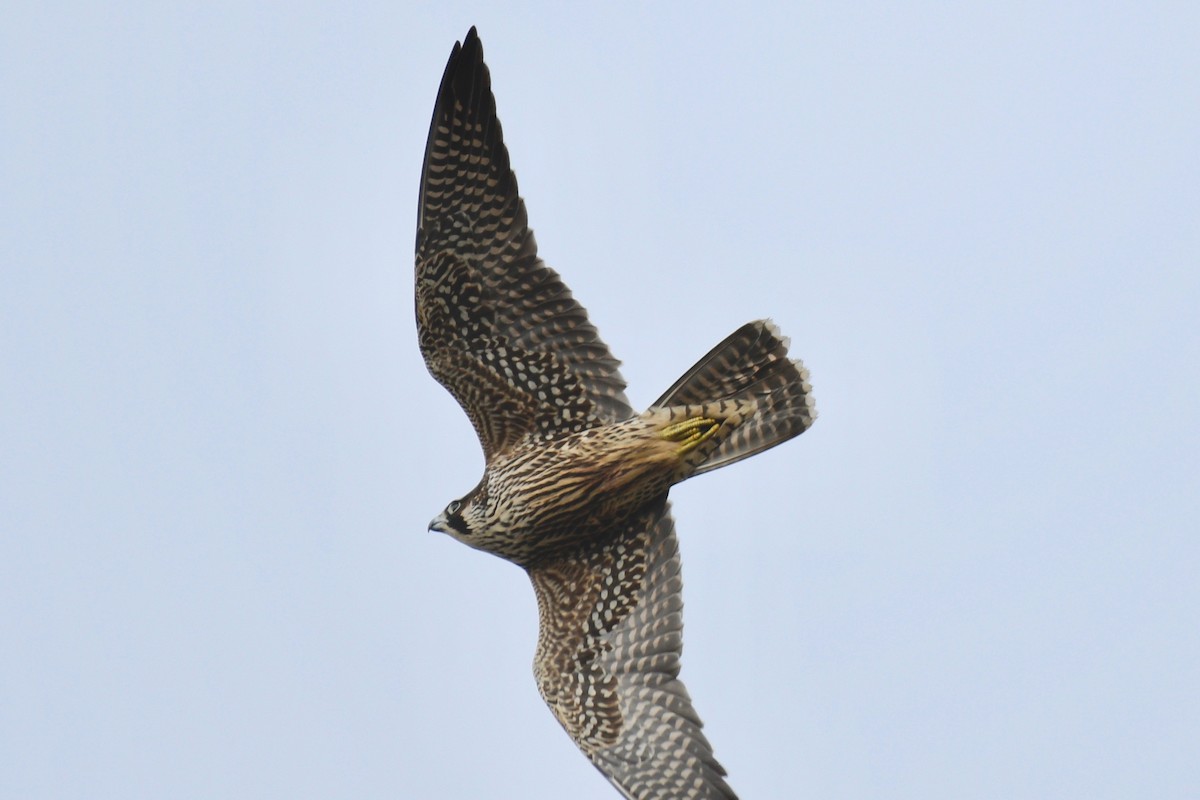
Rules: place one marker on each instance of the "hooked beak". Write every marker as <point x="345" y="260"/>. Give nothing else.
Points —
<point x="439" y="524"/>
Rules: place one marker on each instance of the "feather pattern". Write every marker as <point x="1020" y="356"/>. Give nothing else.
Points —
<point x="751" y="371"/>
<point x="494" y="322"/>
<point x="607" y="662"/>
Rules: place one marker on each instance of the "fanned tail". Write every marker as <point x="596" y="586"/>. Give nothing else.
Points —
<point x="761" y="397"/>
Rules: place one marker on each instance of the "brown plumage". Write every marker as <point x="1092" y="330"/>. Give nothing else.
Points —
<point x="575" y="487"/>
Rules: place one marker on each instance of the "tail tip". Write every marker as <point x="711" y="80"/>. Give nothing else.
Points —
<point x="771" y="328"/>
<point x="810" y="402"/>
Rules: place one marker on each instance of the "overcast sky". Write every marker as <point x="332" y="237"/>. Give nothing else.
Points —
<point x="975" y="577"/>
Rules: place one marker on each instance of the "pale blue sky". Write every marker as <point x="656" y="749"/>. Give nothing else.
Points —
<point x="976" y="577"/>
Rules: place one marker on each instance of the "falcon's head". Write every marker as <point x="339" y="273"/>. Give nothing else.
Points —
<point x="478" y="520"/>
<point x="452" y="521"/>
<point x="463" y="518"/>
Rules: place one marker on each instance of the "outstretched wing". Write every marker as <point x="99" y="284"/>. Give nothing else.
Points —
<point x="497" y="327"/>
<point x="607" y="663"/>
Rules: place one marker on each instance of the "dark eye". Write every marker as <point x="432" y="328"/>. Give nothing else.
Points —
<point x="453" y="507"/>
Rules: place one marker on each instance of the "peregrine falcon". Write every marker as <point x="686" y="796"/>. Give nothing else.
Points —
<point x="575" y="485"/>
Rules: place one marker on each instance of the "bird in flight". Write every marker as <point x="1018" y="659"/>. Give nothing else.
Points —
<point x="575" y="485"/>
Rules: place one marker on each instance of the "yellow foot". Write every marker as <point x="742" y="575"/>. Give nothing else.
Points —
<point x="690" y="432"/>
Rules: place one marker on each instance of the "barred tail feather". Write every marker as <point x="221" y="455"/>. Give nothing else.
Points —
<point x="751" y="370"/>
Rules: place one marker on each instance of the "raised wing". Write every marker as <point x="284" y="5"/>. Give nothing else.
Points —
<point x="497" y="327"/>
<point x="607" y="663"/>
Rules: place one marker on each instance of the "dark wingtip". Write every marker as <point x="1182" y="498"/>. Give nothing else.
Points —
<point x="471" y="39"/>
<point x="467" y="79"/>
<point x="471" y="74"/>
